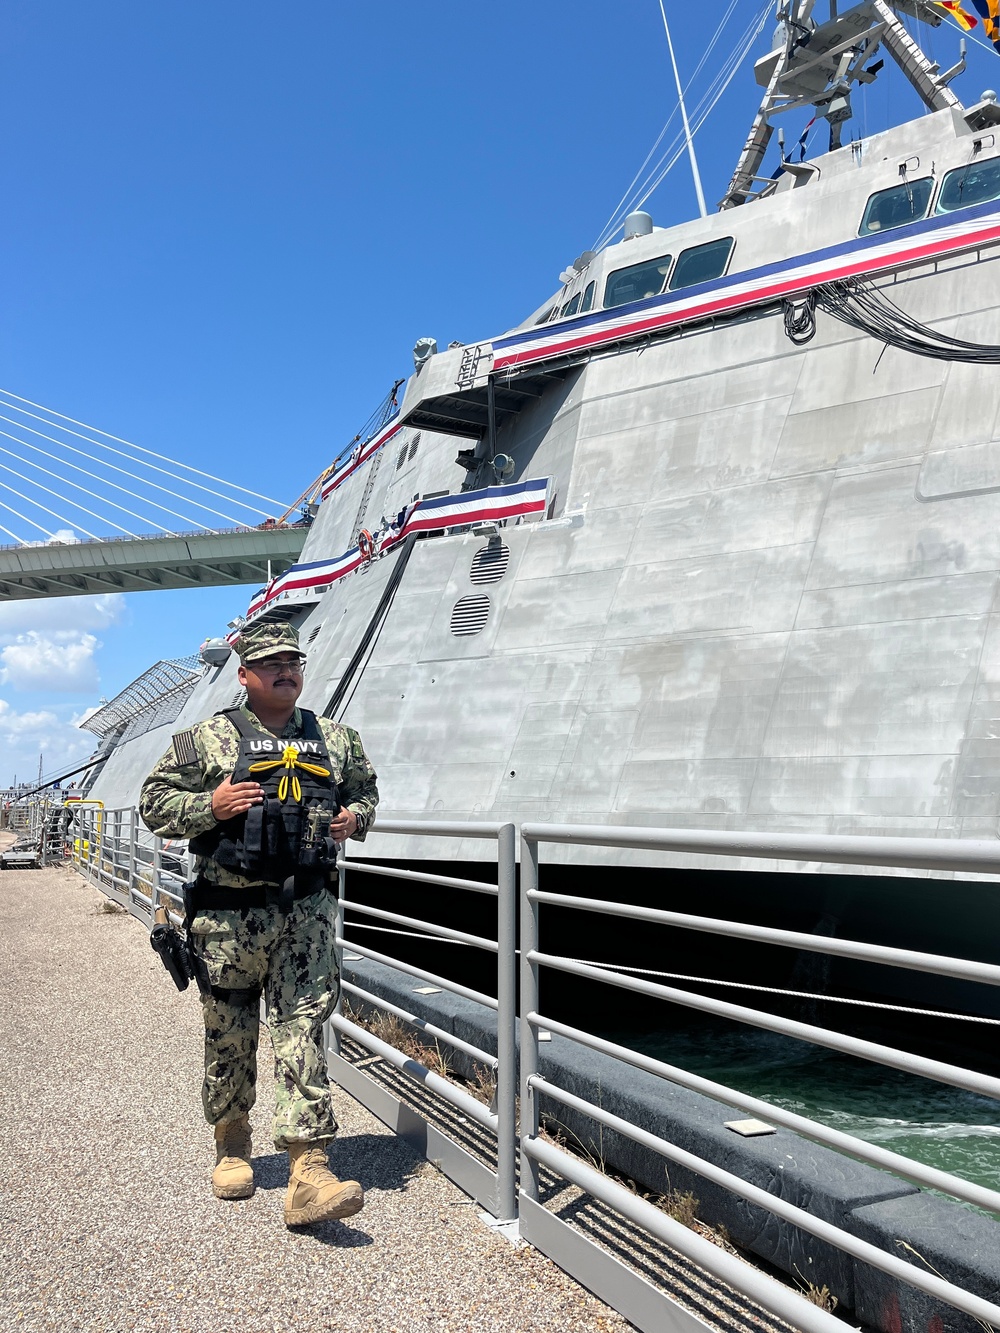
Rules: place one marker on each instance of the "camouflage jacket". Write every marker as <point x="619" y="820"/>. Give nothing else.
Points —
<point x="176" y="798"/>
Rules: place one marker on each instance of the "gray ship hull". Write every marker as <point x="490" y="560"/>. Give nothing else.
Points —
<point x="763" y="593"/>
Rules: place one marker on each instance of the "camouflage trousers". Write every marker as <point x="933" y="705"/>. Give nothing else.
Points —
<point x="290" y="956"/>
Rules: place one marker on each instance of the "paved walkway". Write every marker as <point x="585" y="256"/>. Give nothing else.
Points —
<point x="107" y="1220"/>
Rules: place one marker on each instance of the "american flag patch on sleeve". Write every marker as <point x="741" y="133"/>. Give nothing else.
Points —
<point x="184" y="748"/>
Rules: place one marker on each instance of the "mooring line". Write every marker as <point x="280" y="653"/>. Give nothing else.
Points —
<point x="717" y="981"/>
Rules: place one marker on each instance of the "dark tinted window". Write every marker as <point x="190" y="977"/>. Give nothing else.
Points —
<point x="544" y="319"/>
<point x="572" y="306"/>
<point x="588" y="298"/>
<point x="975" y="184"/>
<point x="637" y="281"/>
<point x="702" y="263"/>
<point x="896" y="207"/>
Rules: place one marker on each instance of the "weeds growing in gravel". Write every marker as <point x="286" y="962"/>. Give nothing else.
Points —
<point x="108" y="907"/>
<point x="681" y="1205"/>
<point x="395" y="1032"/>
<point x="816" y="1295"/>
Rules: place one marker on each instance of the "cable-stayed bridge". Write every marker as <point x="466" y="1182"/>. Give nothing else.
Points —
<point x="88" y="512"/>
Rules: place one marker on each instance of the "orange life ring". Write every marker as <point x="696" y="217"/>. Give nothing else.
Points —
<point x="366" y="545"/>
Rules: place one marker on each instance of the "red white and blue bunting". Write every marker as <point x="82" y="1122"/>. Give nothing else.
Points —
<point x="494" y="503"/>
<point x="866" y="256"/>
<point x="360" y="456"/>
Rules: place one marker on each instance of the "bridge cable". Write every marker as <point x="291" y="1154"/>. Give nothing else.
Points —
<point x="125" y="472"/>
<point x="18" y="540"/>
<point x="24" y="519"/>
<point x="37" y="503"/>
<point x="121" y="453"/>
<point x="141" y="449"/>
<point x="49" y="472"/>
<point x="74" y="503"/>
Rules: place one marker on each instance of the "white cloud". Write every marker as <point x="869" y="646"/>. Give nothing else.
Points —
<point x="60" y="613"/>
<point x="62" y="661"/>
<point x="49" y="643"/>
<point x="25" y="736"/>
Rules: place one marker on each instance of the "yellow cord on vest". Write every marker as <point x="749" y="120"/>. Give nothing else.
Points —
<point x="290" y="760"/>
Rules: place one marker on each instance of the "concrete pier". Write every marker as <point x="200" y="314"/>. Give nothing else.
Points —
<point x="107" y="1220"/>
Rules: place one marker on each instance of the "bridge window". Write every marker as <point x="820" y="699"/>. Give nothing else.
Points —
<point x="544" y="319"/>
<point x="588" y="298"/>
<point x="637" y="282"/>
<point x="702" y="263"/>
<point x="977" y="183"/>
<point x="897" y="206"/>
<point x="572" y="306"/>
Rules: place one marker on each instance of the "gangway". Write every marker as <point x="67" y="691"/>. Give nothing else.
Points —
<point x="144" y="564"/>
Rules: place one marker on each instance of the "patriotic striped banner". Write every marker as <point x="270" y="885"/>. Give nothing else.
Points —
<point x="518" y="500"/>
<point x="867" y="256"/>
<point x="360" y="457"/>
<point x="495" y="502"/>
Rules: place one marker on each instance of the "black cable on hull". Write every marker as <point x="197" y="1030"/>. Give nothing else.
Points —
<point x="370" y="637"/>
<point x="867" y="308"/>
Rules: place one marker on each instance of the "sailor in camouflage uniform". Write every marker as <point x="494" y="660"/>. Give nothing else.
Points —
<point x="259" y="921"/>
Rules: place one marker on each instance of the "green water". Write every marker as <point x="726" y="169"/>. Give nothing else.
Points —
<point x="943" y="1127"/>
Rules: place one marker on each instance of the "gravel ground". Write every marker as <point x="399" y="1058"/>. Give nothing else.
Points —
<point x="107" y="1217"/>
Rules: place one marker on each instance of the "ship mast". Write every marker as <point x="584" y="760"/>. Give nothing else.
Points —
<point x="818" y="64"/>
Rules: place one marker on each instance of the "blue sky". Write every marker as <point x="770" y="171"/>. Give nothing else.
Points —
<point x="225" y="224"/>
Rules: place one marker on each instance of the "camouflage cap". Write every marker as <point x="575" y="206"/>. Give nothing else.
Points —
<point x="263" y="640"/>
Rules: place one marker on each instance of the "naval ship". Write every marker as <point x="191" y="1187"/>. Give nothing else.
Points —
<point x="711" y="539"/>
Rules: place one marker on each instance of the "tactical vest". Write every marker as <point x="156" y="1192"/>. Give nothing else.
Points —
<point x="288" y="833"/>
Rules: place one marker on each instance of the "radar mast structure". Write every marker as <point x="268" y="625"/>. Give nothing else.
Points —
<point x="818" y="64"/>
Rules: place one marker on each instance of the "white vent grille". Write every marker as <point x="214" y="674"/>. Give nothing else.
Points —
<point x="489" y="564"/>
<point x="313" y="633"/>
<point x="239" y="699"/>
<point x="401" y="456"/>
<point x="413" y="448"/>
<point x="469" y="615"/>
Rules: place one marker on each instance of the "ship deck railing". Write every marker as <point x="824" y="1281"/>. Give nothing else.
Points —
<point x="451" y="1126"/>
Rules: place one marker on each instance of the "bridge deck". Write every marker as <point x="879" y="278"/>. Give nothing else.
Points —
<point x="107" y="1220"/>
<point x="144" y="564"/>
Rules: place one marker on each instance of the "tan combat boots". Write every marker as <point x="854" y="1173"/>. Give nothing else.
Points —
<point x="314" y="1192"/>
<point x="233" y="1174"/>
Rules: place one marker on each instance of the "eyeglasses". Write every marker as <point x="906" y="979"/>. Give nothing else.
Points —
<point x="271" y="666"/>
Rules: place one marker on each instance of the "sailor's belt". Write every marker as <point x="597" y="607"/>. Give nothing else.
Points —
<point x="224" y="898"/>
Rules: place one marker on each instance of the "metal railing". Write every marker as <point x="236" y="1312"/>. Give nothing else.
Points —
<point x="112" y="850"/>
<point x="536" y="1151"/>
<point x="496" y="1191"/>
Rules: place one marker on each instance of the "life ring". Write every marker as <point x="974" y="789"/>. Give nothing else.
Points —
<point x="366" y="545"/>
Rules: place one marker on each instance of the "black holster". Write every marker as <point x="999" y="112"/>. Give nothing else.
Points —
<point x="199" y="968"/>
<point x="173" y="952"/>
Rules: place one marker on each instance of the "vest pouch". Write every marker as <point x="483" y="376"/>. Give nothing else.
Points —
<point x="253" y="839"/>
<point x="272" y="841"/>
<point x="292" y="818"/>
